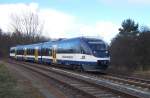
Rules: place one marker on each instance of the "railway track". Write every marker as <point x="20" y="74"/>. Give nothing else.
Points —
<point x="93" y="85"/>
<point x="130" y="81"/>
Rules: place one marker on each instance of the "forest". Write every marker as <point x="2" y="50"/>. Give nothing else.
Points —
<point x="130" y="49"/>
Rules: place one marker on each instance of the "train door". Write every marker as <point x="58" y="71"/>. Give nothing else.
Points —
<point x="54" y="55"/>
<point x="25" y="53"/>
<point x="36" y="54"/>
<point x="15" y="53"/>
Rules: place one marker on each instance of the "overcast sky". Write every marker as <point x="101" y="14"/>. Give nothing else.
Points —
<point x="71" y="18"/>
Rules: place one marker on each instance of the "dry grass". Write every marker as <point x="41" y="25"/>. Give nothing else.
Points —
<point x="7" y="84"/>
<point x="10" y="87"/>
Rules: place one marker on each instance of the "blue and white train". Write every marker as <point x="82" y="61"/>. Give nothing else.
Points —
<point x="82" y="53"/>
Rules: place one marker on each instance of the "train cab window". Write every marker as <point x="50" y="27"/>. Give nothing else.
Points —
<point x="98" y="47"/>
<point x="83" y="49"/>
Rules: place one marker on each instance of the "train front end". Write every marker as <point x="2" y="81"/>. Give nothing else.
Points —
<point x="100" y="54"/>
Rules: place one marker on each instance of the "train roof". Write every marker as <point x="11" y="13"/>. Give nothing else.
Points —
<point x="53" y="42"/>
<point x="76" y="38"/>
<point x="49" y="43"/>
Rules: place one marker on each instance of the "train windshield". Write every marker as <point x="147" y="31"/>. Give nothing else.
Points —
<point x="99" y="48"/>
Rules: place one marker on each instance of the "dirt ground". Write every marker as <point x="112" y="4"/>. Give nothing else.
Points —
<point x="32" y="84"/>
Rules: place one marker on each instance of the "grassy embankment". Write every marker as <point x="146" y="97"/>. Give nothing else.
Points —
<point x="142" y="74"/>
<point x="137" y="73"/>
<point x="8" y="84"/>
<point x="10" y="87"/>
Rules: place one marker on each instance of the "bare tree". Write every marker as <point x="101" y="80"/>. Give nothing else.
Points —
<point x="27" y="23"/>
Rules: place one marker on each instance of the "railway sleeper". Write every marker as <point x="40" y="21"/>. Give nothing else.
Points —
<point x="77" y="84"/>
<point x="104" y="95"/>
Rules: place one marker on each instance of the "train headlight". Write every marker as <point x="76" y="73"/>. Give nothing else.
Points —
<point x="106" y="52"/>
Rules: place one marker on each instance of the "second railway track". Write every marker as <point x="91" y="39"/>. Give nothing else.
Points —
<point x="98" y="87"/>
